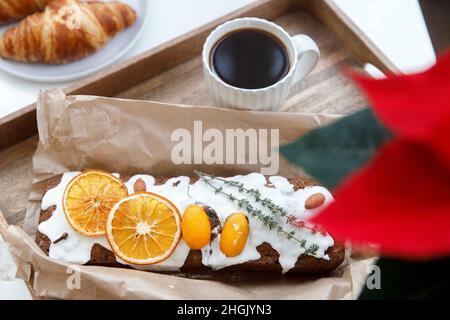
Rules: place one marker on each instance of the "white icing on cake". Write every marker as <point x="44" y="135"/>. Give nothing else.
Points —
<point x="77" y="248"/>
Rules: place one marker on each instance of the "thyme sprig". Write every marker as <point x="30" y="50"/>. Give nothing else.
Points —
<point x="268" y="220"/>
<point x="266" y="202"/>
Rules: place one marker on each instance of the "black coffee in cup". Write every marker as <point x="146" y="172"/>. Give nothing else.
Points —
<point x="250" y="59"/>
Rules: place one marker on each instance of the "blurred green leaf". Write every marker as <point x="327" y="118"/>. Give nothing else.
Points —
<point x="331" y="153"/>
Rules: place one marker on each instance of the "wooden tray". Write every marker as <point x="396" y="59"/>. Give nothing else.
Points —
<point x="172" y="73"/>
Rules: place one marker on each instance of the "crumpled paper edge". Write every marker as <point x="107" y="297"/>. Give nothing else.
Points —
<point x="114" y="283"/>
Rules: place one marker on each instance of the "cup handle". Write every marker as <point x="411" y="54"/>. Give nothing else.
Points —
<point x="308" y="55"/>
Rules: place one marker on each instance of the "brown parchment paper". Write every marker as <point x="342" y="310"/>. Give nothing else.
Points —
<point x="129" y="137"/>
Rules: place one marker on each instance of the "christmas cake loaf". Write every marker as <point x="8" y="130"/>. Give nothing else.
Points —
<point x="243" y="223"/>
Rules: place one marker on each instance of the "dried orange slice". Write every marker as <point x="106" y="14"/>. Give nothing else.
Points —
<point x="88" y="198"/>
<point x="144" y="228"/>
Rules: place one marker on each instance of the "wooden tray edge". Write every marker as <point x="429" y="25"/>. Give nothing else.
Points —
<point x="21" y="124"/>
<point x="350" y="35"/>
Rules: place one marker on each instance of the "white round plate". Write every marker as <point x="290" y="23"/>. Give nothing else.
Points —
<point x="104" y="57"/>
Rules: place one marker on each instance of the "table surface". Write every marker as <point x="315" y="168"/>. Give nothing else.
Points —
<point x="386" y="22"/>
<point x="383" y="21"/>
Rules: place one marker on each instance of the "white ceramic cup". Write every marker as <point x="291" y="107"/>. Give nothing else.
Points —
<point x="303" y="55"/>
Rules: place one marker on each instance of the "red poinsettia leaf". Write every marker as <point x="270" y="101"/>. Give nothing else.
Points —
<point x="400" y="201"/>
<point x="415" y="106"/>
<point x="411" y="104"/>
<point x="440" y="140"/>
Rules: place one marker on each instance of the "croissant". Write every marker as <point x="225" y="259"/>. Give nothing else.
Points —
<point x="12" y="10"/>
<point x="66" y="31"/>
